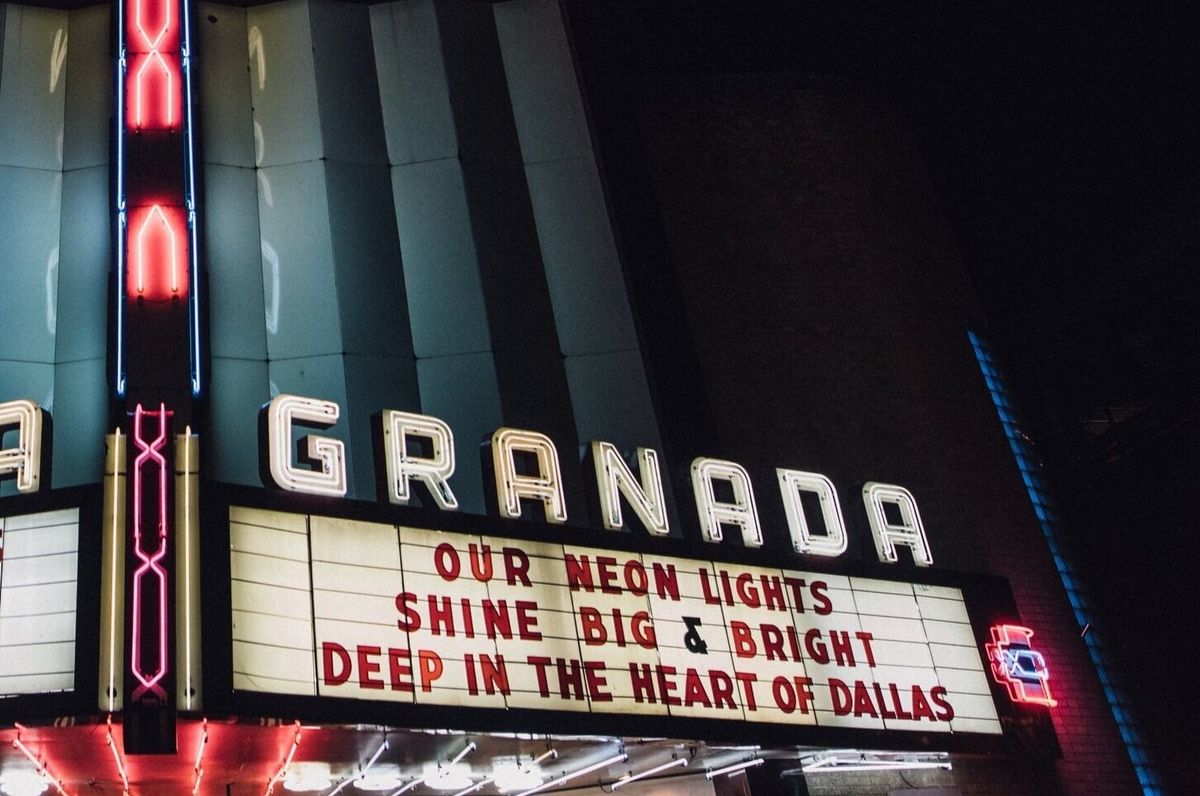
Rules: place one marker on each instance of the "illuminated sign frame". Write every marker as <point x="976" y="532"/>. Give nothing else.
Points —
<point x="987" y="598"/>
<point x="81" y="699"/>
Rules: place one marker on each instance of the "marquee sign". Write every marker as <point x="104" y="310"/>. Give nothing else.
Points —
<point x="373" y="611"/>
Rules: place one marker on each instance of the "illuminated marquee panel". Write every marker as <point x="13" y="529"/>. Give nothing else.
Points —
<point x="38" y="583"/>
<point x="342" y="608"/>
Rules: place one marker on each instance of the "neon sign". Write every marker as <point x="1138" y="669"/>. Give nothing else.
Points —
<point x="1018" y="666"/>
<point x="153" y="84"/>
<point x="150" y="464"/>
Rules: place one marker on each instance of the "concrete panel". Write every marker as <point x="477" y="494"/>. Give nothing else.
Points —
<point x="33" y="87"/>
<point x="344" y="58"/>
<point x="462" y="391"/>
<point x="226" y="120"/>
<point x="283" y="85"/>
<point x="321" y="377"/>
<point x="89" y="82"/>
<point x="80" y="417"/>
<point x="414" y="94"/>
<point x="233" y="255"/>
<point x="29" y="255"/>
<point x="85" y="257"/>
<point x="366" y="251"/>
<point x="298" y="274"/>
<point x="587" y="287"/>
<point x="239" y="389"/>
<point x="445" y="295"/>
<point x="546" y="103"/>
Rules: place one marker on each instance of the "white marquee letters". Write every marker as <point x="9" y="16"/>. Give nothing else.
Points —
<point x="328" y="453"/>
<point x="25" y="460"/>
<point x="511" y="486"/>
<point x="908" y="531"/>
<point x="614" y="479"/>
<point x="791" y="484"/>
<point x="713" y="513"/>
<point x="434" y="470"/>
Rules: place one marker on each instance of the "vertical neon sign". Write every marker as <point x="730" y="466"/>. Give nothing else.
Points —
<point x="157" y="372"/>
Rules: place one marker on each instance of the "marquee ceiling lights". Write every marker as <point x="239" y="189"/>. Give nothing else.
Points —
<point x="621" y="758"/>
<point x="512" y="776"/>
<point x="736" y="768"/>
<point x="625" y="780"/>
<point x="362" y="777"/>
<point x="852" y="760"/>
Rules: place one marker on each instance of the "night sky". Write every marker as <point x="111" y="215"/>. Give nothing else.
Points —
<point x="1063" y="140"/>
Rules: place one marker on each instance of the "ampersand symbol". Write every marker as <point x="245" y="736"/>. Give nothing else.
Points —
<point x="692" y="639"/>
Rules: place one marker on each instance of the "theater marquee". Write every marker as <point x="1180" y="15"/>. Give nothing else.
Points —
<point x="373" y="611"/>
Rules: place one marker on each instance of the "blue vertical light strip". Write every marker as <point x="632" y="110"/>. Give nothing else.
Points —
<point x="120" y="199"/>
<point x="1043" y="507"/>
<point x="190" y="199"/>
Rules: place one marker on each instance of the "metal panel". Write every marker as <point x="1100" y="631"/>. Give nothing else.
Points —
<point x="80" y="416"/>
<point x="233" y="254"/>
<point x="226" y="119"/>
<point x="85" y="257"/>
<point x="29" y="255"/>
<point x="283" y="84"/>
<point x="239" y="388"/>
<point x="297" y="258"/>
<point x="89" y="89"/>
<point x="33" y="87"/>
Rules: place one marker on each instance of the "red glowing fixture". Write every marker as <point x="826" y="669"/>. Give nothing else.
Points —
<point x="152" y="84"/>
<point x="150" y="458"/>
<point x="157" y="253"/>
<point x="1018" y="666"/>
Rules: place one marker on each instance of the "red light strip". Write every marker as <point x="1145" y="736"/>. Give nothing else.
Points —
<point x="287" y="763"/>
<point x="42" y="770"/>
<point x="112" y="747"/>
<point x="150" y="682"/>
<point x="200" y="757"/>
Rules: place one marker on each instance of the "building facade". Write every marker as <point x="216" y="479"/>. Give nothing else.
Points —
<point x="506" y="426"/>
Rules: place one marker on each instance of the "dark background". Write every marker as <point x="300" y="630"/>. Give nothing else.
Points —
<point x="1063" y="143"/>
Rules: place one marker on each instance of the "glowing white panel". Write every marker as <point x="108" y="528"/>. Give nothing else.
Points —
<point x="272" y="603"/>
<point x="615" y="480"/>
<point x="433" y="471"/>
<point x="25" y="459"/>
<point x="405" y="614"/>
<point x="791" y="484"/>
<point x="907" y="531"/>
<point x="544" y="486"/>
<point x="328" y="454"/>
<point x="38" y="582"/>
<point x="714" y="513"/>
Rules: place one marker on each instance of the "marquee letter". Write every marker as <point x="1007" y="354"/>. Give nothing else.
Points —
<point x="791" y="484"/>
<point x="614" y="479"/>
<point x="511" y="486"/>
<point x="433" y="471"/>
<point x="329" y="453"/>
<point x="713" y="513"/>
<point x="26" y="459"/>
<point x="908" y="531"/>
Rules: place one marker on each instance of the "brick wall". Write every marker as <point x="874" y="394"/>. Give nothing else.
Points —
<point x="828" y="308"/>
